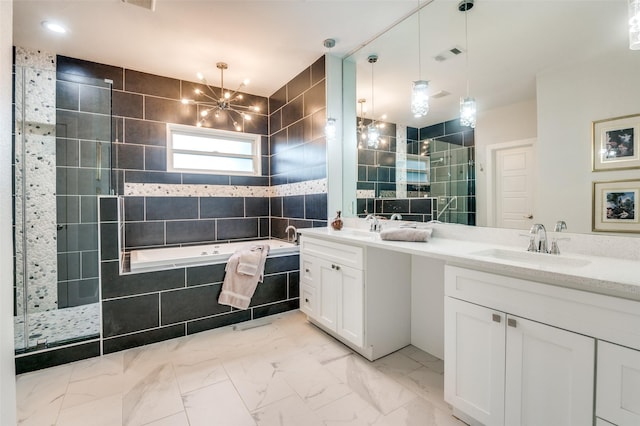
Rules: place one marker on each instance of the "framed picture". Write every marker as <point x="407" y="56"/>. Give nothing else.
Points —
<point x="615" y="206"/>
<point x="616" y="143"/>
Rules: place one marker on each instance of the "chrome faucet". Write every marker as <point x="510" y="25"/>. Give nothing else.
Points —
<point x="396" y="216"/>
<point x="375" y="223"/>
<point x="560" y="225"/>
<point x="538" y="230"/>
<point x="295" y="233"/>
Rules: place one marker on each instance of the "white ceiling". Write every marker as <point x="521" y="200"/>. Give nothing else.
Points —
<point x="269" y="42"/>
<point x="272" y="41"/>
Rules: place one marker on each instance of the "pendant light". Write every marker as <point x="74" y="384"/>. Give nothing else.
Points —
<point x="420" y="91"/>
<point x="468" y="103"/>
<point x="634" y="24"/>
<point x="373" y="134"/>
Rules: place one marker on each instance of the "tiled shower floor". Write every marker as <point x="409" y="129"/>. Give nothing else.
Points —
<point x="58" y="325"/>
<point x="274" y="371"/>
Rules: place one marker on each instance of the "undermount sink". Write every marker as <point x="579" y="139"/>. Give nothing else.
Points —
<point x="358" y="233"/>
<point x="532" y="258"/>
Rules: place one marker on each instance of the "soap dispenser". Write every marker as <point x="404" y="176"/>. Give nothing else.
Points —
<point x="337" y="223"/>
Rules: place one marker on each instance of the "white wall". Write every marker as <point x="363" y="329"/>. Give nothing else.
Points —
<point x="569" y="100"/>
<point x="7" y="370"/>
<point x="505" y="124"/>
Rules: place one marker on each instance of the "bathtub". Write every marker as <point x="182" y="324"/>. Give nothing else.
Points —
<point x="172" y="257"/>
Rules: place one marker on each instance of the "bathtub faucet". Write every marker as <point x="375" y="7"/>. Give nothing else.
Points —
<point x="295" y="233"/>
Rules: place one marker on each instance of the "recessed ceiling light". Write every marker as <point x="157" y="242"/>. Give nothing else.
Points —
<point x="52" y="26"/>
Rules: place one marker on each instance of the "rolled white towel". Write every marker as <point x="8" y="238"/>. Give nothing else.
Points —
<point x="406" y="234"/>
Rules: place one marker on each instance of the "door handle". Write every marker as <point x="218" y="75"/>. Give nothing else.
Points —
<point x="496" y="318"/>
<point x="529" y="216"/>
<point x="511" y="322"/>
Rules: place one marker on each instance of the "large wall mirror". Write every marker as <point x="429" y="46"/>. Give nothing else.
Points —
<point x="541" y="72"/>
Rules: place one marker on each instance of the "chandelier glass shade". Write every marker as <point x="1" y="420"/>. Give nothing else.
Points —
<point x="213" y="102"/>
<point x="468" y="112"/>
<point x="634" y="24"/>
<point x="420" y="98"/>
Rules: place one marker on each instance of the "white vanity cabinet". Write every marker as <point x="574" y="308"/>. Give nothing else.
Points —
<point x="618" y="384"/>
<point x="360" y="295"/>
<point x="332" y="287"/>
<point x="504" y="369"/>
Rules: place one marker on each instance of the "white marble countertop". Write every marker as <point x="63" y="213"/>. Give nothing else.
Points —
<point x="611" y="276"/>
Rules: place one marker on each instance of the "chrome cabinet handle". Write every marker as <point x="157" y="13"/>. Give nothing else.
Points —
<point x="496" y="318"/>
<point x="511" y="322"/>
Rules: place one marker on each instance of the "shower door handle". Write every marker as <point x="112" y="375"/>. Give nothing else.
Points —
<point x="98" y="160"/>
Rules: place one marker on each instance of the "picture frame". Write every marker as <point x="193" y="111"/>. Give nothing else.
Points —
<point x="615" y="206"/>
<point x="616" y="143"/>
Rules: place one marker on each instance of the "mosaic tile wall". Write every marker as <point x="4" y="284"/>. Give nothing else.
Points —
<point x="35" y="181"/>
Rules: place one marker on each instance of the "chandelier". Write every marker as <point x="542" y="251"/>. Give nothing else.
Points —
<point x="213" y="103"/>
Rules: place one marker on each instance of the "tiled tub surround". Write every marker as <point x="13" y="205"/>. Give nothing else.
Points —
<point x="143" y="308"/>
<point x="293" y="148"/>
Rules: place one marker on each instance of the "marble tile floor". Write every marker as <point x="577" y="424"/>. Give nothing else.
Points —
<point x="279" y="370"/>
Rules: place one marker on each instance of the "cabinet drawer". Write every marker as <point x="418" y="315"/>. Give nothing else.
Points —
<point x="343" y="254"/>
<point x="618" y="384"/>
<point x="309" y="269"/>
<point x="307" y="299"/>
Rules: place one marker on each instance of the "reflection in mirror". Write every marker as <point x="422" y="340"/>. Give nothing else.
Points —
<point x="422" y="174"/>
<point x="541" y="74"/>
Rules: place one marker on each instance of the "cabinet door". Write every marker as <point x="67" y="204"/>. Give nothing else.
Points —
<point x="549" y="375"/>
<point x="327" y="291"/>
<point x="308" y="300"/>
<point x="474" y="353"/>
<point x="351" y="306"/>
<point x="618" y="384"/>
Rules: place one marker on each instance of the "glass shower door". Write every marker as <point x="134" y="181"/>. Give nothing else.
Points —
<point x="57" y="224"/>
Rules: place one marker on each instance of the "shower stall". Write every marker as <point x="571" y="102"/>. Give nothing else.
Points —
<point x="62" y="164"/>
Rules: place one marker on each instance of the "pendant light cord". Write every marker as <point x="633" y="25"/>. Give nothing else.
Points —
<point x="466" y="43"/>
<point x="419" y="46"/>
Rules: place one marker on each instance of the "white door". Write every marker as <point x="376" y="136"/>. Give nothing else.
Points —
<point x="328" y="286"/>
<point x="351" y="306"/>
<point x="514" y="187"/>
<point x="474" y="353"/>
<point x="549" y="375"/>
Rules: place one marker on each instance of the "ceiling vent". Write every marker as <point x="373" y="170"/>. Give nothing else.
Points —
<point x="146" y="4"/>
<point x="439" y="94"/>
<point x="448" y="54"/>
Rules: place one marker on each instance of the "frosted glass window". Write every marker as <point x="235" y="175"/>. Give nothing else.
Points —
<point x="202" y="150"/>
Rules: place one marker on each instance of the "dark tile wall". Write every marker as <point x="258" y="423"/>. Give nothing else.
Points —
<point x="452" y="173"/>
<point x="452" y="156"/>
<point x="413" y="209"/>
<point x="138" y="309"/>
<point x="142" y="106"/>
<point x="294" y="152"/>
<point x="83" y="155"/>
<point x="377" y="166"/>
<point x="298" y="148"/>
